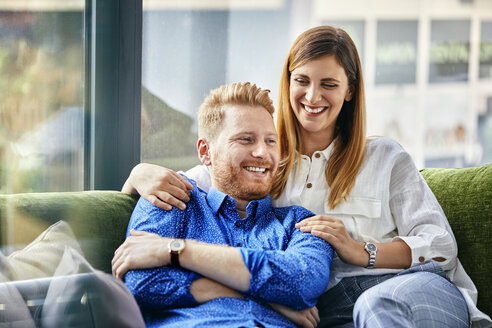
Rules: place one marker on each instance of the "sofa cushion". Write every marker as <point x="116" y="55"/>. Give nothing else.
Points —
<point x="466" y="198"/>
<point x="41" y="257"/>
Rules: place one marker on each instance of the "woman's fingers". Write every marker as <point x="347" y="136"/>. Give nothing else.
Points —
<point x="317" y="219"/>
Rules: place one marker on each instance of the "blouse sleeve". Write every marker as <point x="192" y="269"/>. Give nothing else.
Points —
<point x="201" y="175"/>
<point x="419" y="218"/>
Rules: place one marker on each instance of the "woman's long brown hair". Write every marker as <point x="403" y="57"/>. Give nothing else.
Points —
<point x="348" y="152"/>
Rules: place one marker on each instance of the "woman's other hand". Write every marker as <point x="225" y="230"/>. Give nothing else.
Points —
<point x="334" y="232"/>
<point x="159" y="185"/>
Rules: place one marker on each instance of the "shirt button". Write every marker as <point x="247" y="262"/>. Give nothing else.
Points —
<point x="317" y="155"/>
<point x="421" y="259"/>
<point x="238" y="224"/>
<point x="309" y="185"/>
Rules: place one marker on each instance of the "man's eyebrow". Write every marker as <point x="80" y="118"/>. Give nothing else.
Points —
<point x="249" y="133"/>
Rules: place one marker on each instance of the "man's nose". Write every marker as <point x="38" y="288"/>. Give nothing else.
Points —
<point x="260" y="150"/>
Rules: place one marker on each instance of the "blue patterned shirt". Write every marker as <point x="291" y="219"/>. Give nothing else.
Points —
<point x="287" y="266"/>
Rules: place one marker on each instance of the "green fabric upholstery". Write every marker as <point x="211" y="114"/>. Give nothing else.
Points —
<point x="99" y="220"/>
<point x="465" y="196"/>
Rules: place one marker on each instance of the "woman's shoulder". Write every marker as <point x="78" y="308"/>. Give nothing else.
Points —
<point x="383" y="145"/>
<point x="382" y="151"/>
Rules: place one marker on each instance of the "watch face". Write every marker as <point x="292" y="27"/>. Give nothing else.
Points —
<point x="176" y="245"/>
<point x="371" y="247"/>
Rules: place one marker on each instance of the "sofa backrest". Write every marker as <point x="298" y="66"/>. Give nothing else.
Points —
<point x="98" y="219"/>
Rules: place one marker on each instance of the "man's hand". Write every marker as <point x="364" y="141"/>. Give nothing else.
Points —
<point x="161" y="186"/>
<point x="307" y="318"/>
<point x="142" y="250"/>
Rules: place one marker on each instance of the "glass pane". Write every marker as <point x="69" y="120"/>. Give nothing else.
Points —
<point x="41" y="87"/>
<point x="396" y="52"/>
<point x="486" y="50"/>
<point x="449" y="51"/>
<point x="189" y="51"/>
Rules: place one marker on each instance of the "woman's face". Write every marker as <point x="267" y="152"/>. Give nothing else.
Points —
<point x="318" y="90"/>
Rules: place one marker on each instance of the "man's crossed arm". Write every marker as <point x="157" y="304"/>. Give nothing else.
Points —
<point x="143" y="250"/>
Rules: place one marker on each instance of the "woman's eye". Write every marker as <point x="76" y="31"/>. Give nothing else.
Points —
<point x="301" y="81"/>
<point x="329" y="86"/>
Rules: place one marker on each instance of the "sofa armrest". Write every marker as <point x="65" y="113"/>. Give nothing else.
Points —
<point x="465" y="195"/>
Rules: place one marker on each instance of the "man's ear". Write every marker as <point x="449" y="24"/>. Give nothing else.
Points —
<point x="204" y="152"/>
<point x="350" y="93"/>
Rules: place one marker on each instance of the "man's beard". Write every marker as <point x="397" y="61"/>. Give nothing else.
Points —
<point x="228" y="179"/>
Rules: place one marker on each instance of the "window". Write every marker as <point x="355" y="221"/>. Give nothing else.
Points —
<point x="189" y="50"/>
<point x="396" y="52"/>
<point x="449" y="50"/>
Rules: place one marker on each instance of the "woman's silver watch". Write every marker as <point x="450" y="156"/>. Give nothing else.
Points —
<point x="372" y="250"/>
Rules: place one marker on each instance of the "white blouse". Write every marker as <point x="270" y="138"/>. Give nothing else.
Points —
<point x="390" y="201"/>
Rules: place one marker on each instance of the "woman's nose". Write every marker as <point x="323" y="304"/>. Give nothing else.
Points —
<point x="312" y="94"/>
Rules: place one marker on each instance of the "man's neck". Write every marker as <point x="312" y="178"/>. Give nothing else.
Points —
<point x="241" y="207"/>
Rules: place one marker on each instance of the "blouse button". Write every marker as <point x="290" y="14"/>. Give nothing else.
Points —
<point x="238" y="224"/>
<point x="309" y="185"/>
<point x="317" y="155"/>
<point x="421" y="259"/>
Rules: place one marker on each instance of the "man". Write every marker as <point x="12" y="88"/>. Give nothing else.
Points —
<point x="237" y="258"/>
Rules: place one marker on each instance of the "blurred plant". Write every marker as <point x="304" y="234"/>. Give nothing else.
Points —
<point x="41" y="73"/>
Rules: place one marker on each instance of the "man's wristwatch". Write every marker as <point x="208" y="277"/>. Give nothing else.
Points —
<point x="372" y="250"/>
<point x="176" y="246"/>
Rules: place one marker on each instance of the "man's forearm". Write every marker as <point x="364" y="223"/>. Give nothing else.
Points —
<point x="205" y="289"/>
<point x="221" y="263"/>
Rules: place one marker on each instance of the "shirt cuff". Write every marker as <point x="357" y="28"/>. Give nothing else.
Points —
<point x="421" y="251"/>
<point x="186" y="298"/>
<point x="254" y="261"/>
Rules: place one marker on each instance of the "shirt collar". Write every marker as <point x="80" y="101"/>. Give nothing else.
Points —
<point x="328" y="150"/>
<point x="255" y="208"/>
<point x="325" y="152"/>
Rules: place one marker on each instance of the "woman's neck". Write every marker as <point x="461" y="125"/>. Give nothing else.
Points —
<point x="312" y="142"/>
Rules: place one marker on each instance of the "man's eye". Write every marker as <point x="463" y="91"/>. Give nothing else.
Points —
<point x="246" y="139"/>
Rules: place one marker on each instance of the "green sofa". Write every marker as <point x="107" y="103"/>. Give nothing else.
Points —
<point x="99" y="220"/>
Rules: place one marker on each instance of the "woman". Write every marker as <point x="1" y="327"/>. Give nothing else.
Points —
<point x="395" y="247"/>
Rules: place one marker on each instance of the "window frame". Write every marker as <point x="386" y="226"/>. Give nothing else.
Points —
<point x="113" y="80"/>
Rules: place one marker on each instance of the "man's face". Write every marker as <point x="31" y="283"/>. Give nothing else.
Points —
<point x="244" y="156"/>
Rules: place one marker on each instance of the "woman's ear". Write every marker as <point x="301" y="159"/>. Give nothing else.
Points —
<point x="204" y="152"/>
<point x="350" y="93"/>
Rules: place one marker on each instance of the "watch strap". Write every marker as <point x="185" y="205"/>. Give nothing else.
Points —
<point x="175" y="259"/>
